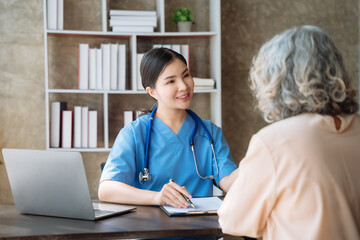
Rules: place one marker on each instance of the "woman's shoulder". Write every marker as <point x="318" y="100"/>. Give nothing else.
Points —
<point x="291" y="123"/>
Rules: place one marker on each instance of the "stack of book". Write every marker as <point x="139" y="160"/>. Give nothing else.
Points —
<point x="73" y="128"/>
<point x="132" y="21"/>
<point x="102" y="68"/>
<point x="203" y="83"/>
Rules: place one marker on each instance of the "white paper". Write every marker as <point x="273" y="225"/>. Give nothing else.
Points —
<point x="201" y="204"/>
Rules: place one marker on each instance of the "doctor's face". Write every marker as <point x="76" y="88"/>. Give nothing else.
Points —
<point x="174" y="87"/>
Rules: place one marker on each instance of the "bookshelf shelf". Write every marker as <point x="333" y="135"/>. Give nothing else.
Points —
<point x="61" y="62"/>
<point x="81" y="149"/>
<point x="128" y="35"/>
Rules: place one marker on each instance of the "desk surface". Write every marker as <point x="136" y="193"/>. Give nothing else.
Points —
<point x="144" y="222"/>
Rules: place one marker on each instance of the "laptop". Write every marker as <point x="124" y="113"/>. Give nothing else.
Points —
<point x="53" y="183"/>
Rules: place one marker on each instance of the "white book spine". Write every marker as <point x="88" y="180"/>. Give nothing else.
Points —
<point x="52" y="14"/>
<point x="176" y="48"/>
<point x="128" y="117"/>
<point x="92" y="68"/>
<point x="167" y="46"/>
<point x="84" y="127"/>
<point x="83" y="66"/>
<point x="185" y="53"/>
<point x="106" y="66"/>
<point x="131" y="13"/>
<point x="133" y="19"/>
<point x="114" y="49"/>
<point x="66" y="128"/>
<point x="77" y="127"/>
<point x="122" y="67"/>
<point x="204" y="82"/>
<point x="99" y="67"/>
<point x="133" y="29"/>
<point x="138" y="62"/>
<point x="60" y="14"/>
<point x="55" y="125"/>
<point x="93" y="129"/>
<point x="138" y="22"/>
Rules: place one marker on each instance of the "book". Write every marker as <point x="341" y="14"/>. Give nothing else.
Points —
<point x="133" y="29"/>
<point x="114" y="54"/>
<point x="203" y="87"/>
<point x="156" y="45"/>
<point x="92" y="68"/>
<point x="203" y="206"/>
<point x="133" y="19"/>
<point x="60" y="14"/>
<point x="176" y="48"/>
<point x="56" y="123"/>
<point x="185" y="53"/>
<point x="128" y="117"/>
<point x="166" y="46"/>
<point x="204" y="82"/>
<point x="83" y="82"/>
<point x="115" y="12"/>
<point x="84" y="127"/>
<point x="122" y="67"/>
<point x="99" y="67"/>
<point x="106" y="65"/>
<point x="93" y="128"/>
<point x="77" y="126"/>
<point x="67" y="121"/>
<point x="52" y="14"/>
<point x="139" y="113"/>
<point x="139" y="57"/>
<point x="138" y="21"/>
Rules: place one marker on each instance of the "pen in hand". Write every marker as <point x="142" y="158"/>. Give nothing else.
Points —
<point x="186" y="198"/>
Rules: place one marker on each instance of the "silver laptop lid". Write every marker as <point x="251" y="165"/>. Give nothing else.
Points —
<point x="49" y="183"/>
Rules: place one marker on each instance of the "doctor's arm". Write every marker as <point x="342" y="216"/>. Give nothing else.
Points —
<point x="118" y="192"/>
<point x="226" y="182"/>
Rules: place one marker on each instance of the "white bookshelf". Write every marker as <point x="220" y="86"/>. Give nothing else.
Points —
<point x="213" y="36"/>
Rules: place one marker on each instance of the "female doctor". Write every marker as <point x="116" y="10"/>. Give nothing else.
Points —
<point x="155" y="148"/>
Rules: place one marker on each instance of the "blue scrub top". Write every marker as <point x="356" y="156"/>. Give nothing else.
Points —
<point x="170" y="156"/>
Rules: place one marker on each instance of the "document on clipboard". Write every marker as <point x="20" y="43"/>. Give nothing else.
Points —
<point x="203" y="206"/>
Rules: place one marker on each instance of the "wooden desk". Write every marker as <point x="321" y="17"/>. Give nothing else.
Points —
<point x="144" y="222"/>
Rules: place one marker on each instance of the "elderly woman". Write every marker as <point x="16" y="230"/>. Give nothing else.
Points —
<point x="300" y="178"/>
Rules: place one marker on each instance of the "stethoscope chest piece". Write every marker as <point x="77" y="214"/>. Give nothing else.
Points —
<point x="144" y="176"/>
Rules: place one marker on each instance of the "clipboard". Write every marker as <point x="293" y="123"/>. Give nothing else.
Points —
<point x="204" y="206"/>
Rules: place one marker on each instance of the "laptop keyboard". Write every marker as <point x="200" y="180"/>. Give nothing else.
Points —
<point x="99" y="212"/>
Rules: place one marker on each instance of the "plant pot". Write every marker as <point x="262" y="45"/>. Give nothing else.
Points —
<point x="184" y="26"/>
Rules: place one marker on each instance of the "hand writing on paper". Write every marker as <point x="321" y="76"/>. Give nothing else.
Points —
<point x="171" y="194"/>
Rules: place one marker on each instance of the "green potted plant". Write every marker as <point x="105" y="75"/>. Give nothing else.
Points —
<point x="184" y="18"/>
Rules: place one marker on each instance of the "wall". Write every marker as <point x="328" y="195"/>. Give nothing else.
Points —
<point x="246" y="25"/>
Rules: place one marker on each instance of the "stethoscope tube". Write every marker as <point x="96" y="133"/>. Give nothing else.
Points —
<point x="146" y="176"/>
<point x="192" y="143"/>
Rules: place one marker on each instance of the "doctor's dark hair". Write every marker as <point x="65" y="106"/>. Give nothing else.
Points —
<point x="154" y="62"/>
<point x="301" y="71"/>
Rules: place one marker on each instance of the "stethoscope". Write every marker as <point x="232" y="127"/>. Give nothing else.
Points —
<point x="146" y="176"/>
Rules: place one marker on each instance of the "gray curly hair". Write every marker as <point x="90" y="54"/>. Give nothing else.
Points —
<point x="300" y="70"/>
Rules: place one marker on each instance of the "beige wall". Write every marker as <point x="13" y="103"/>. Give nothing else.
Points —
<point x="246" y="25"/>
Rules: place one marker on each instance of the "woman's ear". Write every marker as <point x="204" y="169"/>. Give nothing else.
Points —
<point x="151" y="92"/>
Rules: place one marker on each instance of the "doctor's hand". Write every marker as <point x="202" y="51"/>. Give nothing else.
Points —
<point x="171" y="194"/>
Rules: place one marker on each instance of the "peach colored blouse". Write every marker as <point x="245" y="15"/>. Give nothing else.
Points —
<point x="300" y="179"/>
